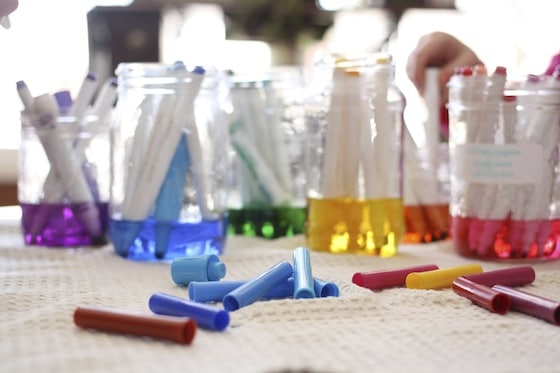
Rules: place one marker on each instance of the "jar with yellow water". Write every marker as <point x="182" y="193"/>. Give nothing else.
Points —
<point x="354" y="127"/>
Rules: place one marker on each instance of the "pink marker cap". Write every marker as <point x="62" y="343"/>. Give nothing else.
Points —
<point x="515" y="276"/>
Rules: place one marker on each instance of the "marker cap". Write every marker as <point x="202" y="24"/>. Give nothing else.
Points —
<point x="532" y="304"/>
<point x="211" y="291"/>
<point x="177" y="329"/>
<point x="303" y="279"/>
<point x="325" y="289"/>
<point x="481" y="295"/>
<point x="197" y="268"/>
<point x="439" y="278"/>
<point x="206" y="316"/>
<point x="258" y="287"/>
<point x="516" y="276"/>
<point x="388" y="278"/>
<point x="64" y="101"/>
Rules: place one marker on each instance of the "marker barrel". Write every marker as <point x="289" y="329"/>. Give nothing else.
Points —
<point x="258" y="287"/>
<point x="206" y="316"/>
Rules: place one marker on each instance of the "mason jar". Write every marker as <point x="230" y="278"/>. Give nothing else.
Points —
<point x="63" y="177"/>
<point x="505" y="169"/>
<point x="169" y="162"/>
<point x="267" y="123"/>
<point x="354" y="156"/>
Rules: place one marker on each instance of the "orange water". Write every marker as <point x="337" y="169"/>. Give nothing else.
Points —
<point x="426" y="223"/>
<point x="345" y="225"/>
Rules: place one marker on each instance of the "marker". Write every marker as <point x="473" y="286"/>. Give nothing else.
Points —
<point x="197" y="268"/>
<point x="67" y="167"/>
<point x="84" y="96"/>
<point x="439" y="278"/>
<point x="25" y="95"/>
<point x="517" y="276"/>
<point x="532" y="304"/>
<point x="105" y="99"/>
<point x="170" y="198"/>
<point x="303" y="279"/>
<point x="481" y="295"/>
<point x="149" y="171"/>
<point x="258" y="287"/>
<point x="177" y="329"/>
<point x="388" y="278"/>
<point x="193" y="141"/>
<point x="206" y="316"/>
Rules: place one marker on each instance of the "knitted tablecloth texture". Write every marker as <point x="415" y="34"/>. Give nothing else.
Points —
<point x="393" y="330"/>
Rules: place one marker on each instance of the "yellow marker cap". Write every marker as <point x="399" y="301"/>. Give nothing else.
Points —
<point x="439" y="278"/>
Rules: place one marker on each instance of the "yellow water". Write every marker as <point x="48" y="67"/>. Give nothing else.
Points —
<point x="346" y="225"/>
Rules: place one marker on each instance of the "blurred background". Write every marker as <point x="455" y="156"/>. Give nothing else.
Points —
<point x="51" y="45"/>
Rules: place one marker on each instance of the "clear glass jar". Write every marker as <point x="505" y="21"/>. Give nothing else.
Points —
<point x="267" y="195"/>
<point x="505" y="170"/>
<point x="354" y="156"/>
<point x="63" y="178"/>
<point x="170" y="160"/>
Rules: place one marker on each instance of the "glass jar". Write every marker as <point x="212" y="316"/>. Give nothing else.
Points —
<point x="267" y="193"/>
<point x="354" y="156"/>
<point x="505" y="168"/>
<point x="63" y="177"/>
<point x="169" y="162"/>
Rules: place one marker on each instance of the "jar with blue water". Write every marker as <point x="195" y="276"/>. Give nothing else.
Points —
<point x="169" y="162"/>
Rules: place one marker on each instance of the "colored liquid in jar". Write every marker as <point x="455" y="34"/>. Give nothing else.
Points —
<point x="347" y="225"/>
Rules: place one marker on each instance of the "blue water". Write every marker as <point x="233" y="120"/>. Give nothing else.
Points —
<point x="186" y="239"/>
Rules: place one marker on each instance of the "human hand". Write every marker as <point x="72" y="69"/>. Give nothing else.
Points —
<point x="7" y="7"/>
<point x="438" y="49"/>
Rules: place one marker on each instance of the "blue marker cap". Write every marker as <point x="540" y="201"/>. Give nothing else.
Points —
<point x="206" y="316"/>
<point x="282" y="291"/>
<point x="197" y="268"/>
<point x="303" y="279"/>
<point x="199" y="70"/>
<point x="325" y="289"/>
<point x="258" y="287"/>
<point x="214" y="291"/>
<point x="211" y="291"/>
<point x="123" y="233"/>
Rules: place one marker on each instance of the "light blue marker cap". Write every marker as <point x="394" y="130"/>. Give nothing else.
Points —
<point x="214" y="291"/>
<point x="211" y="291"/>
<point x="303" y="279"/>
<point x="258" y="287"/>
<point x="197" y="268"/>
<point x="205" y="315"/>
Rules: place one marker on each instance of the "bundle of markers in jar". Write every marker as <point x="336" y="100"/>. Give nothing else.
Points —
<point x="505" y="169"/>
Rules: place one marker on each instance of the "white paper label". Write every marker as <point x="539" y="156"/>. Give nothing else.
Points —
<point x="499" y="164"/>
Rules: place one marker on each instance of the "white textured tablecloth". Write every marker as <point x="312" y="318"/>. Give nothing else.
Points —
<point x="394" y="330"/>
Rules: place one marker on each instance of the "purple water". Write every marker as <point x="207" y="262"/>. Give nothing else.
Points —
<point x="56" y="225"/>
